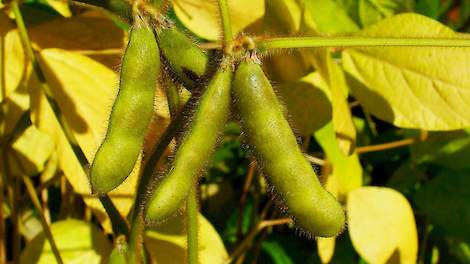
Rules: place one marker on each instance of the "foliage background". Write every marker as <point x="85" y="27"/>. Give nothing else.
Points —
<point x="406" y="204"/>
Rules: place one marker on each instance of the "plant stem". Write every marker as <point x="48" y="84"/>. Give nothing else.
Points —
<point x="315" y="160"/>
<point x="192" y="225"/>
<point x="45" y="226"/>
<point x="385" y="146"/>
<point x="355" y="41"/>
<point x="252" y="234"/>
<point x="137" y="222"/>
<point x="3" y="177"/>
<point x="226" y="24"/>
<point x="114" y="214"/>
<point x="12" y="190"/>
<point x="246" y="188"/>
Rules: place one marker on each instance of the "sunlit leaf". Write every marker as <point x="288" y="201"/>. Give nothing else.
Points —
<point x="372" y="11"/>
<point x="77" y="241"/>
<point x="326" y="248"/>
<point x="382" y="225"/>
<point x="287" y="11"/>
<point x="167" y="242"/>
<point x="412" y="87"/>
<point x="333" y="80"/>
<point x="33" y="149"/>
<point x="202" y="16"/>
<point x="12" y="56"/>
<point x="84" y="90"/>
<point x="62" y="7"/>
<point x="100" y="38"/>
<point x="328" y="16"/>
<point x="308" y="107"/>
<point x="346" y="169"/>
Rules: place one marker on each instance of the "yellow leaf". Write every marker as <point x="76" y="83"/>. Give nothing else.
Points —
<point x="412" y="87"/>
<point x="99" y="37"/>
<point x="167" y="243"/>
<point x="333" y="79"/>
<point x="33" y="148"/>
<point x="61" y="6"/>
<point x="287" y="11"/>
<point x="326" y="248"/>
<point x="308" y="107"/>
<point x="84" y="90"/>
<point x="202" y="16"/>
<point x="382" y="225"/>
<point x="77" y="241"/>
<point x="13" y="59"/>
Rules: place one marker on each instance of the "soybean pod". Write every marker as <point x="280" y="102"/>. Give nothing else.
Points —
<point x="276" y="150"/>
<point x="186" y="60"/>
<point x="132" y="110"/>
<point x="195" y="150"/>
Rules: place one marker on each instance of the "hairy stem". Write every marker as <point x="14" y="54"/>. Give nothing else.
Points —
<point x="192" y="225"/>
<point x="354" y="41"/>
<point x="252" y="234"/>
<point x="226" y="24"/>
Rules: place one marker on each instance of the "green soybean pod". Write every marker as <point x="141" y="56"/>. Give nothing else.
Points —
<point x="275" y="146"/>
<point x="195" y="149"/>
<point x="131" y="112"/>
<point x="187" y="61"/>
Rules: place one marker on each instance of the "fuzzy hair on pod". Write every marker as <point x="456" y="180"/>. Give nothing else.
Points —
<point x="196" y="148"/>
<point x="275" y="147"/>
<point x="132" y="110"/>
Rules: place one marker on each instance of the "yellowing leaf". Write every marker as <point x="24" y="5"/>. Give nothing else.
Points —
<point x="412" y="87"/>
<point x="97" y="34"/>
<point x="326" y="248"/>
<point x="333" y="80"/>
<point x="33" y="148"/>
<point x="308" y="107"/>
<point x="12" y="58"/>
<point x="287" y="11"/>
<point x="84" y="90"/>
<point x="77" y="241"/>
<point x="382" y="225"/>
<point x="61" y="6"/>
<point x="202" y="16"/>
<point x="167" y="243"/>
<point x="328" y="16"/>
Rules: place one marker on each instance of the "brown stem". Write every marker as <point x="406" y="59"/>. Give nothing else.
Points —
<point x="385" y="146"/>
<point x="246" y="188"/>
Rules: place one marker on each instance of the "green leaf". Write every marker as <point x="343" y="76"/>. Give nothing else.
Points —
<point x="276" y="252"/>
<point x="346" y="169"/>
<point x="444" y="200"/>
<point x="412" y="87"/>
<point x="77" y="241"/>
<point x="382" y="225"/>
<point x="372" y="11"/>
<point x="447" y="149"/>
<point x="328" y="16"/>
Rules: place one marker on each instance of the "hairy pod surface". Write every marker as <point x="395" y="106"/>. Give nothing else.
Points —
<point x="187" y="61"/>
<point x="131" y="113"/>
<point x="279" y="155"/>
<point x="195" y="149"/>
